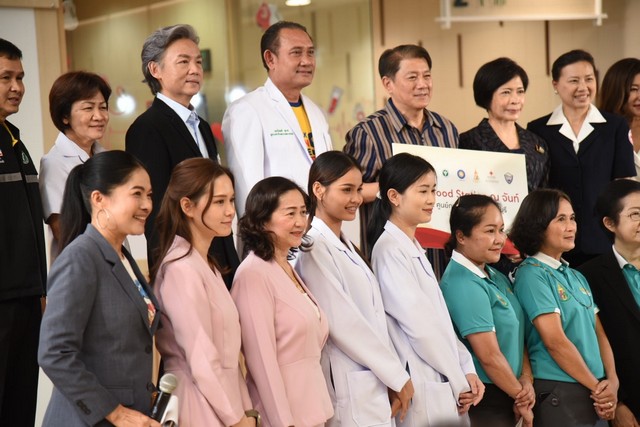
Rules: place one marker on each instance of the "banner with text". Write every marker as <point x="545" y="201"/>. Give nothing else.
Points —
<point x="503" y="176"/>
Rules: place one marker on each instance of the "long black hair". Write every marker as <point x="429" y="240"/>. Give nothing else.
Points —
<point x="327" y="168"/>
<point x="102" y="172"/>
<point x="399" y="173"/>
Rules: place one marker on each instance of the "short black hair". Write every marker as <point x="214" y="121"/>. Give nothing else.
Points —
<point x="389" y="62"/>
<point x="494" y="74"/>
<point x="609" y="203"/>
<point x="571" y="57"/>
<point x="270" y="40"/>
<point x="537" y="211"/>
<point x="9" y="50"/>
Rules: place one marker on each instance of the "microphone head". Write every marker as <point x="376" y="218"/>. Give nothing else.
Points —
<point x="168" y="383"/>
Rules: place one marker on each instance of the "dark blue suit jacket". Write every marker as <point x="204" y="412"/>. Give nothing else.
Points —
<point x="606" y="154"/>
<point x="620" y="317"/>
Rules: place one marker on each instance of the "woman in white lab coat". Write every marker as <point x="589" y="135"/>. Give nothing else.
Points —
<point x="367" y="382"/>
<point x="441" y="367"/>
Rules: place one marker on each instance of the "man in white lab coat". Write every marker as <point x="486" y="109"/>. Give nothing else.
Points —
<point x="275" y="130"/>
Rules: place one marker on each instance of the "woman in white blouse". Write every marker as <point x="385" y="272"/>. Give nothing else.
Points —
<point x="367" y="382"/>
<point x="442" y="369"/>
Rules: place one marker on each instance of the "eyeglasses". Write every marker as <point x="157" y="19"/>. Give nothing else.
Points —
<point x="634" y="216"/>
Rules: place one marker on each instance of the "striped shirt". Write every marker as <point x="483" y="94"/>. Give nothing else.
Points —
<point x="370" y="140"/>
<point x="370" y="143"/>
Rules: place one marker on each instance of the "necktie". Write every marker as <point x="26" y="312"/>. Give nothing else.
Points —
<point x="193" y="121"/>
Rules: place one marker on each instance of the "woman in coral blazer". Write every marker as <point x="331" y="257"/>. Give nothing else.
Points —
<point x="200" y="335"/>
<point x="283" y="329"/>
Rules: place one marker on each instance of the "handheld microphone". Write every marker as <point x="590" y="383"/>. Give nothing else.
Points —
<point x="168" y="383"/>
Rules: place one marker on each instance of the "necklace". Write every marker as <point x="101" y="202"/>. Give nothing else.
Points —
<point x="289" y="272"/>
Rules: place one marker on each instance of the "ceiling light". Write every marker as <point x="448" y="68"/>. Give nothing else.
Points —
<point x="297" y="2"/>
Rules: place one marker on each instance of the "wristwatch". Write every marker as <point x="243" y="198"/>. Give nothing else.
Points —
<point x="252" y="413"/>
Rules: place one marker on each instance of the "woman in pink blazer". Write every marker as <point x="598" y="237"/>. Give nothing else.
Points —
<point x="199" y="337"/>
<point x="283" y="329"/>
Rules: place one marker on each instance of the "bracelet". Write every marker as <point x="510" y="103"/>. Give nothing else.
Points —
<point x="252" y="413"/>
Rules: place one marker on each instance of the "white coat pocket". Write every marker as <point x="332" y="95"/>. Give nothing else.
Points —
<point x="440" y="404"/>
<point x="369" y="399"/>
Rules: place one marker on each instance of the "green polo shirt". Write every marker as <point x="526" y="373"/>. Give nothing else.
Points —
<point x="553" y="287"/>
<point x="478" y="303"/>
<point x="631" y="275"/>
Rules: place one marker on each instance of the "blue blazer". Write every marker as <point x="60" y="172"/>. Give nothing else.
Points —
<point x="604" y="155"/>
<point x="620" y="317"/>
<point x="95" y="342"/>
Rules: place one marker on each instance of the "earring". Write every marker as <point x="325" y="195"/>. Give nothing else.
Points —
<point x="555" y="91"/>
<point x="106" y="212"/>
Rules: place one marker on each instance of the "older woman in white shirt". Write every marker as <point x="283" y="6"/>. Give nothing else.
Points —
<point x="441" y="367"/>
<point x="78" y="102"/>
<point x="367" y="382"/>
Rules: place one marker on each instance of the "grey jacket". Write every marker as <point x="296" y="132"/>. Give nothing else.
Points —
<point x="95" y="341"/>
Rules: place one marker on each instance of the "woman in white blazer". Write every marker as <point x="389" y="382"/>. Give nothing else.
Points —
<point x="367" y="382"/>
<point x="441" y="367"/>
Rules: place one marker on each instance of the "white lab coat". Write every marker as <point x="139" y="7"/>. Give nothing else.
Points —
<point x="358" y="360"/>
<point x="263" y="138"/>
<point x="421" y="330"/>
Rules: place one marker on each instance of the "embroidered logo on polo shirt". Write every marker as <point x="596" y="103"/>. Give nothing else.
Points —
<point x="502" y="300"/>
<point x="1" y="157"/>
<point x="562" y="293"/>
<point x="25" y="158"/>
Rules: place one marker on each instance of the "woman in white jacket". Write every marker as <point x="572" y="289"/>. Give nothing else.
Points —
<point x="367" y="382"/>
<point x="441" y="367"/>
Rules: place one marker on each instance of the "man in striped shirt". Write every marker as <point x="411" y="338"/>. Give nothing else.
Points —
<point x="406" y="75"/>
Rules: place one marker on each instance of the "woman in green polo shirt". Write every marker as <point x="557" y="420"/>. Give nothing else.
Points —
<point x="486" y="313"/>
<point x="576" y="383"/>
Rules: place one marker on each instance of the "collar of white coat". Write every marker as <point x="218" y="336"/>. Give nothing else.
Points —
<point x="411" y="245"/>
<point x="183" y="112"/>
<point x="277" y="95"/>
<point x="68" y="148"/>
<point x="466" y="263"/>
<point x="558" y="118"/>
<point x="324" y="229"/>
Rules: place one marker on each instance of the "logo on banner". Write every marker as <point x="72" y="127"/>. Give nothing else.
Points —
<point x="508" y="177"/>
<point x="445" y="173"/>
<point x="461" y="174"/>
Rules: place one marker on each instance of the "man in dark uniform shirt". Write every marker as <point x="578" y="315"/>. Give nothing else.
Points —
<point x="22" y="255"/>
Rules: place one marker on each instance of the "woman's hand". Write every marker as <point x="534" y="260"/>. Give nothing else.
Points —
<point x="125" y="417"/>
<point x="605" y="397"/>
<point x="405" y="395"/>
<point x="525" y="413"/>
<point x="473" y="397"/>
<point x="624" y="417"/>
<point x="394" y="401"/>
<point x="527" y="396"/>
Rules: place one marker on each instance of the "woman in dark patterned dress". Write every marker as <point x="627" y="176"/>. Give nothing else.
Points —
<point x="499" y="87"/>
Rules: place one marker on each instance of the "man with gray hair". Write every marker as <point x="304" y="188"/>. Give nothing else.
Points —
<point x="170" y="130"/>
